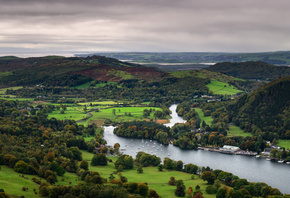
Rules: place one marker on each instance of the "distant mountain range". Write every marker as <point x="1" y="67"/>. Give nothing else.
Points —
<point x="277" y="58"/>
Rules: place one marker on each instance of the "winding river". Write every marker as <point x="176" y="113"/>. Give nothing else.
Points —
<point x="251" y="168"/>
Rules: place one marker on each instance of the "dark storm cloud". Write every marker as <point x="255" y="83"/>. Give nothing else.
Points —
<point x="147" y="25"/>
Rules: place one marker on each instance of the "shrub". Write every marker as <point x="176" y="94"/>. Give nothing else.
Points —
<point x="179" y="191"/>
<point x="21" y="167"/>
<point x="210" y="189"/>
<point x="171" y="181"/>
<point x="140" y="170"/>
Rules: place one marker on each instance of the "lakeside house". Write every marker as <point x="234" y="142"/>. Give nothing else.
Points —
<point x="229" y="149"/>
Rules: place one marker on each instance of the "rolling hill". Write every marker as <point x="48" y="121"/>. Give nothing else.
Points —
<point x="61" y="71"/>
<point x="265" y="111"/>
<point x="251" y="70"/>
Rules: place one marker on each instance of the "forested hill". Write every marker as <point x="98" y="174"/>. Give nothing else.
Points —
<point x="61" y="71"/>
<point x="265" y="111"/>
<point x="251" y="70"/>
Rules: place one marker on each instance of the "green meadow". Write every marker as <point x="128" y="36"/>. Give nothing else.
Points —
<point x="13" y="183"/>
<point x="3" y="90"/>
<point x="156" y="180"/>
<point x="283" y="143"/>
<point x="86" y="85"/>
<point x="12" y="97"/>
<point x="121" y="114"/>
<point x="70" y="113"/>
<point x="207" y="119"/>
<point x="109" y="103"/>
<point x="237" y="131"/>
<point x="222" y="88"/>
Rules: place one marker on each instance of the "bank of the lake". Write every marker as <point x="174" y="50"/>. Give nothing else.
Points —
<point x="251" y="168"/>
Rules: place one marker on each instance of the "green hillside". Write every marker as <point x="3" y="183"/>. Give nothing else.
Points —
<point x="265" y="111"/>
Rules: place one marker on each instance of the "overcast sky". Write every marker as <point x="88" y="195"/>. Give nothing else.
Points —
<point x="145" y="25"/>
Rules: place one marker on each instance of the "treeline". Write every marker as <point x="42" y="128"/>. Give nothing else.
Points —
<point x="234" y="186"/>
<point x="168" y="91"/>
<point x="179" y="134"/>
<point x="143" y="129"/>
<point x="251" y="70"/>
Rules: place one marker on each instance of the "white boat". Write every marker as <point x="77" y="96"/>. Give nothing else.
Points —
<point x="268" y="159"/>
<point x="287" y="162"/>
<point x="280" y="161"/>
<point x="258" y="156"/>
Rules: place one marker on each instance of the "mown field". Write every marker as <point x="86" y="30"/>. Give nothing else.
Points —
<point x="222" y="88"/>
<point x="207" y="119"/>
<point x="237" y="131"/>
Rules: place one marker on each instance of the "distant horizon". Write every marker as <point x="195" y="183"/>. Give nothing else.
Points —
<point x="32" y="54"/>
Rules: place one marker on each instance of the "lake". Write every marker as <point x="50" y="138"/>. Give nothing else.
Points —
<point x="251" y="168"/>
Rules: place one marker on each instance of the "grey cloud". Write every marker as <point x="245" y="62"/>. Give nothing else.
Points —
<point x="151" y="25"/>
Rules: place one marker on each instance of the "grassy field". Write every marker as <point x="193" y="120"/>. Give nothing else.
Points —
<point x="208" y="120"/>
<point x="3" y="91"/>
<point x="156" y="180"/>
<point x="121" y="114"/>
<point x="222" y="88"/>
<point x="237" y="131"/>
<point x="11" y="97"/>
<point x="86" y="85"/>
<point x="98" y="117"/>
<point x="109" y="102"/>
<point x="283" y="143"/>
<point x="12" y="183"/>
<point x="70" y="113"/>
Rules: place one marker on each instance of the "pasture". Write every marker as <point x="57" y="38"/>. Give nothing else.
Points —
<point x="70" y="113"/>
<point x="283" y="143"/>
<point x="115" y="114"/>
<point x="237" y="131"/>
<point x="13" y="182"/>
<point x="207" y="119"/>
<point x="222" y="88"/>
<point x="156" y="180"/>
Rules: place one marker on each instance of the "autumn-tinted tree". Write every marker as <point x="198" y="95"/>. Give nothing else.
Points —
<point x="180" y="191"/>
<point x="208" y="176"/>
<point x="84" y="165"/>
<point x="99" y="159"/>
<point x="21" y="167"/>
